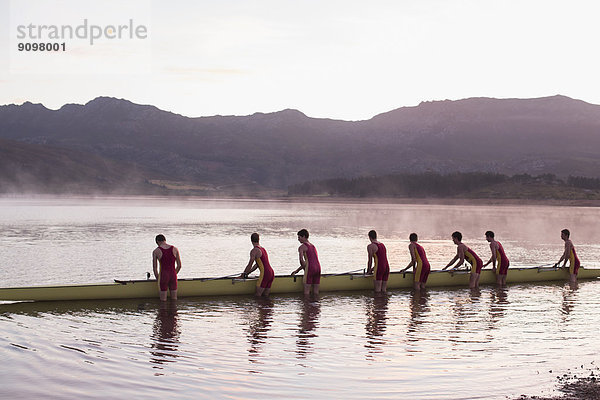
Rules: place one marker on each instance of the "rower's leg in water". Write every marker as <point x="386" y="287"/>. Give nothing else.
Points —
<point x="377" y="286"/>
<point x="474" y="280"/>
<point x="307" y="289"/>
<point x="260" y="291"/>
<point x="162" y="295"/>
<point x="316" y="289"/>
<point x="173" y="294"/>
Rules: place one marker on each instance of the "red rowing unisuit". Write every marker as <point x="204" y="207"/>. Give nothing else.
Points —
<point x="382" y="267"/>
<point x="312" y="275"/>
<point x="266" y="272"/>
<point x="474" y="260"/>
<point x="502" y="261"/>
<point x="422" y="269"/>
<point x="573" y="262"/>
<point x="167" y="277"/>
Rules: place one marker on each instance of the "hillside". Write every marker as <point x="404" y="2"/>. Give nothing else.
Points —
<point x="555" y="135"/>
<point x="459" y="185"/>
<point x="28" y="168"/>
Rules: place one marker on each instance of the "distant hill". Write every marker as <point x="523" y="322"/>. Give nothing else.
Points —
<point x="556" y="135"/>
<point x="462" y="185"/>
<point x="28" y="168"/>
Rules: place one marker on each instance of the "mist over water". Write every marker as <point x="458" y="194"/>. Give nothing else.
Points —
<point x="79" y="240"/>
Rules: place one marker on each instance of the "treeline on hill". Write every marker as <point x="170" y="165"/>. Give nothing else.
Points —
<point x="431" y="184"/>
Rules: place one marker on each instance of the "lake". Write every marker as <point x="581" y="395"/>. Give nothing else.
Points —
<point x="443" y="344"/>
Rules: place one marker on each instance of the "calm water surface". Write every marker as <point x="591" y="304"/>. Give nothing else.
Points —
<point x="445" y="344"/>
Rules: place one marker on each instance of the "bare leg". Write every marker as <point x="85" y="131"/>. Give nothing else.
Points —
<point x="259" y="291"/>
<point x="377" y="285"/>
<point x="573" y="278"/>
<point x="162" y="295"/>
<point x="383" y="286"/>
<point x="422" y="285"/>
<point x="307" y="289"/>
<point x="173" y="294"/>
<point x="474" y="280"/>
<point x="504" y="280"/>
<point x="417" y="286"/>
<point x="316" y="289"/>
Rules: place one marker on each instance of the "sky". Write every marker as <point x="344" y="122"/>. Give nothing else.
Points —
<point x="334" y="59"/>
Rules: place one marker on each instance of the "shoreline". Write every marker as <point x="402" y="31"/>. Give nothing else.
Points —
<point x="317" y="199"/>
<point x="573" y="387"/>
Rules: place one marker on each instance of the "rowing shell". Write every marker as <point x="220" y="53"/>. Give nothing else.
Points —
<point x="282" y="284"/>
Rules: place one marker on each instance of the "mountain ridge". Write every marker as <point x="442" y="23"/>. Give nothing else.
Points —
<point x="554" y="134"/>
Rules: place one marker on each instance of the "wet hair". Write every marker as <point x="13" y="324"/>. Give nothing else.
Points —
<point x="457" y="235"/>
<point x="372" y="234"/>
<point x="566" y="232"/>
<point x="413" y="237"/>
<point x="254" y="237"/>
<point x="303" y="233"/>
<point x="489" y="234"/>
<point x="160" y="238"/>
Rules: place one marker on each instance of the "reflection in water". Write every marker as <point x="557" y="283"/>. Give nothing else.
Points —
<point x="569" y="298"/>
<point x="165" y="334"/>
<point x="418" y="308"/>
<point x="376" y="310"/>
<point x="259" y="324"/>
<point x="311" y="309"/>
<point x="464" y="311"/>
<point x="498" y="305"/>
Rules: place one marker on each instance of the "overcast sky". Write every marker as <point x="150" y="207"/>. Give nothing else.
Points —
<point x="327" y="58"/>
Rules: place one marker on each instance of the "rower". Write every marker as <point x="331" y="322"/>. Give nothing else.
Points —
<point x="498" y="259"/>
<point x="569" y="254"/>
<point x="259" y="259"/>
<point x="167" y="256"/>
<point x="309" y="261"/>
<point x="377" y="255"/>
<point x="464" y="253"/>
<point x="418" y="261"/>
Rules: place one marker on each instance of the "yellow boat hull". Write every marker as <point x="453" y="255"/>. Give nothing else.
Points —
<point x="281" y="284"/>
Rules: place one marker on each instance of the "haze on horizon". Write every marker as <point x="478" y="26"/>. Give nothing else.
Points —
<point x="334" y="59"/>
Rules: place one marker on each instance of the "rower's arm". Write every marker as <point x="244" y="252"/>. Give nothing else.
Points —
<point x="413" y="259"/>
<point x="492" y="258"/>
<point x="301" y="258"/>
<point x="370" y="254"/>
<point x="460" y="254"/>
<point x="155" y="264"/>
<point x="177" y="260"/>
<point x="565" y="255"/>
<point x="248" y="270"/>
